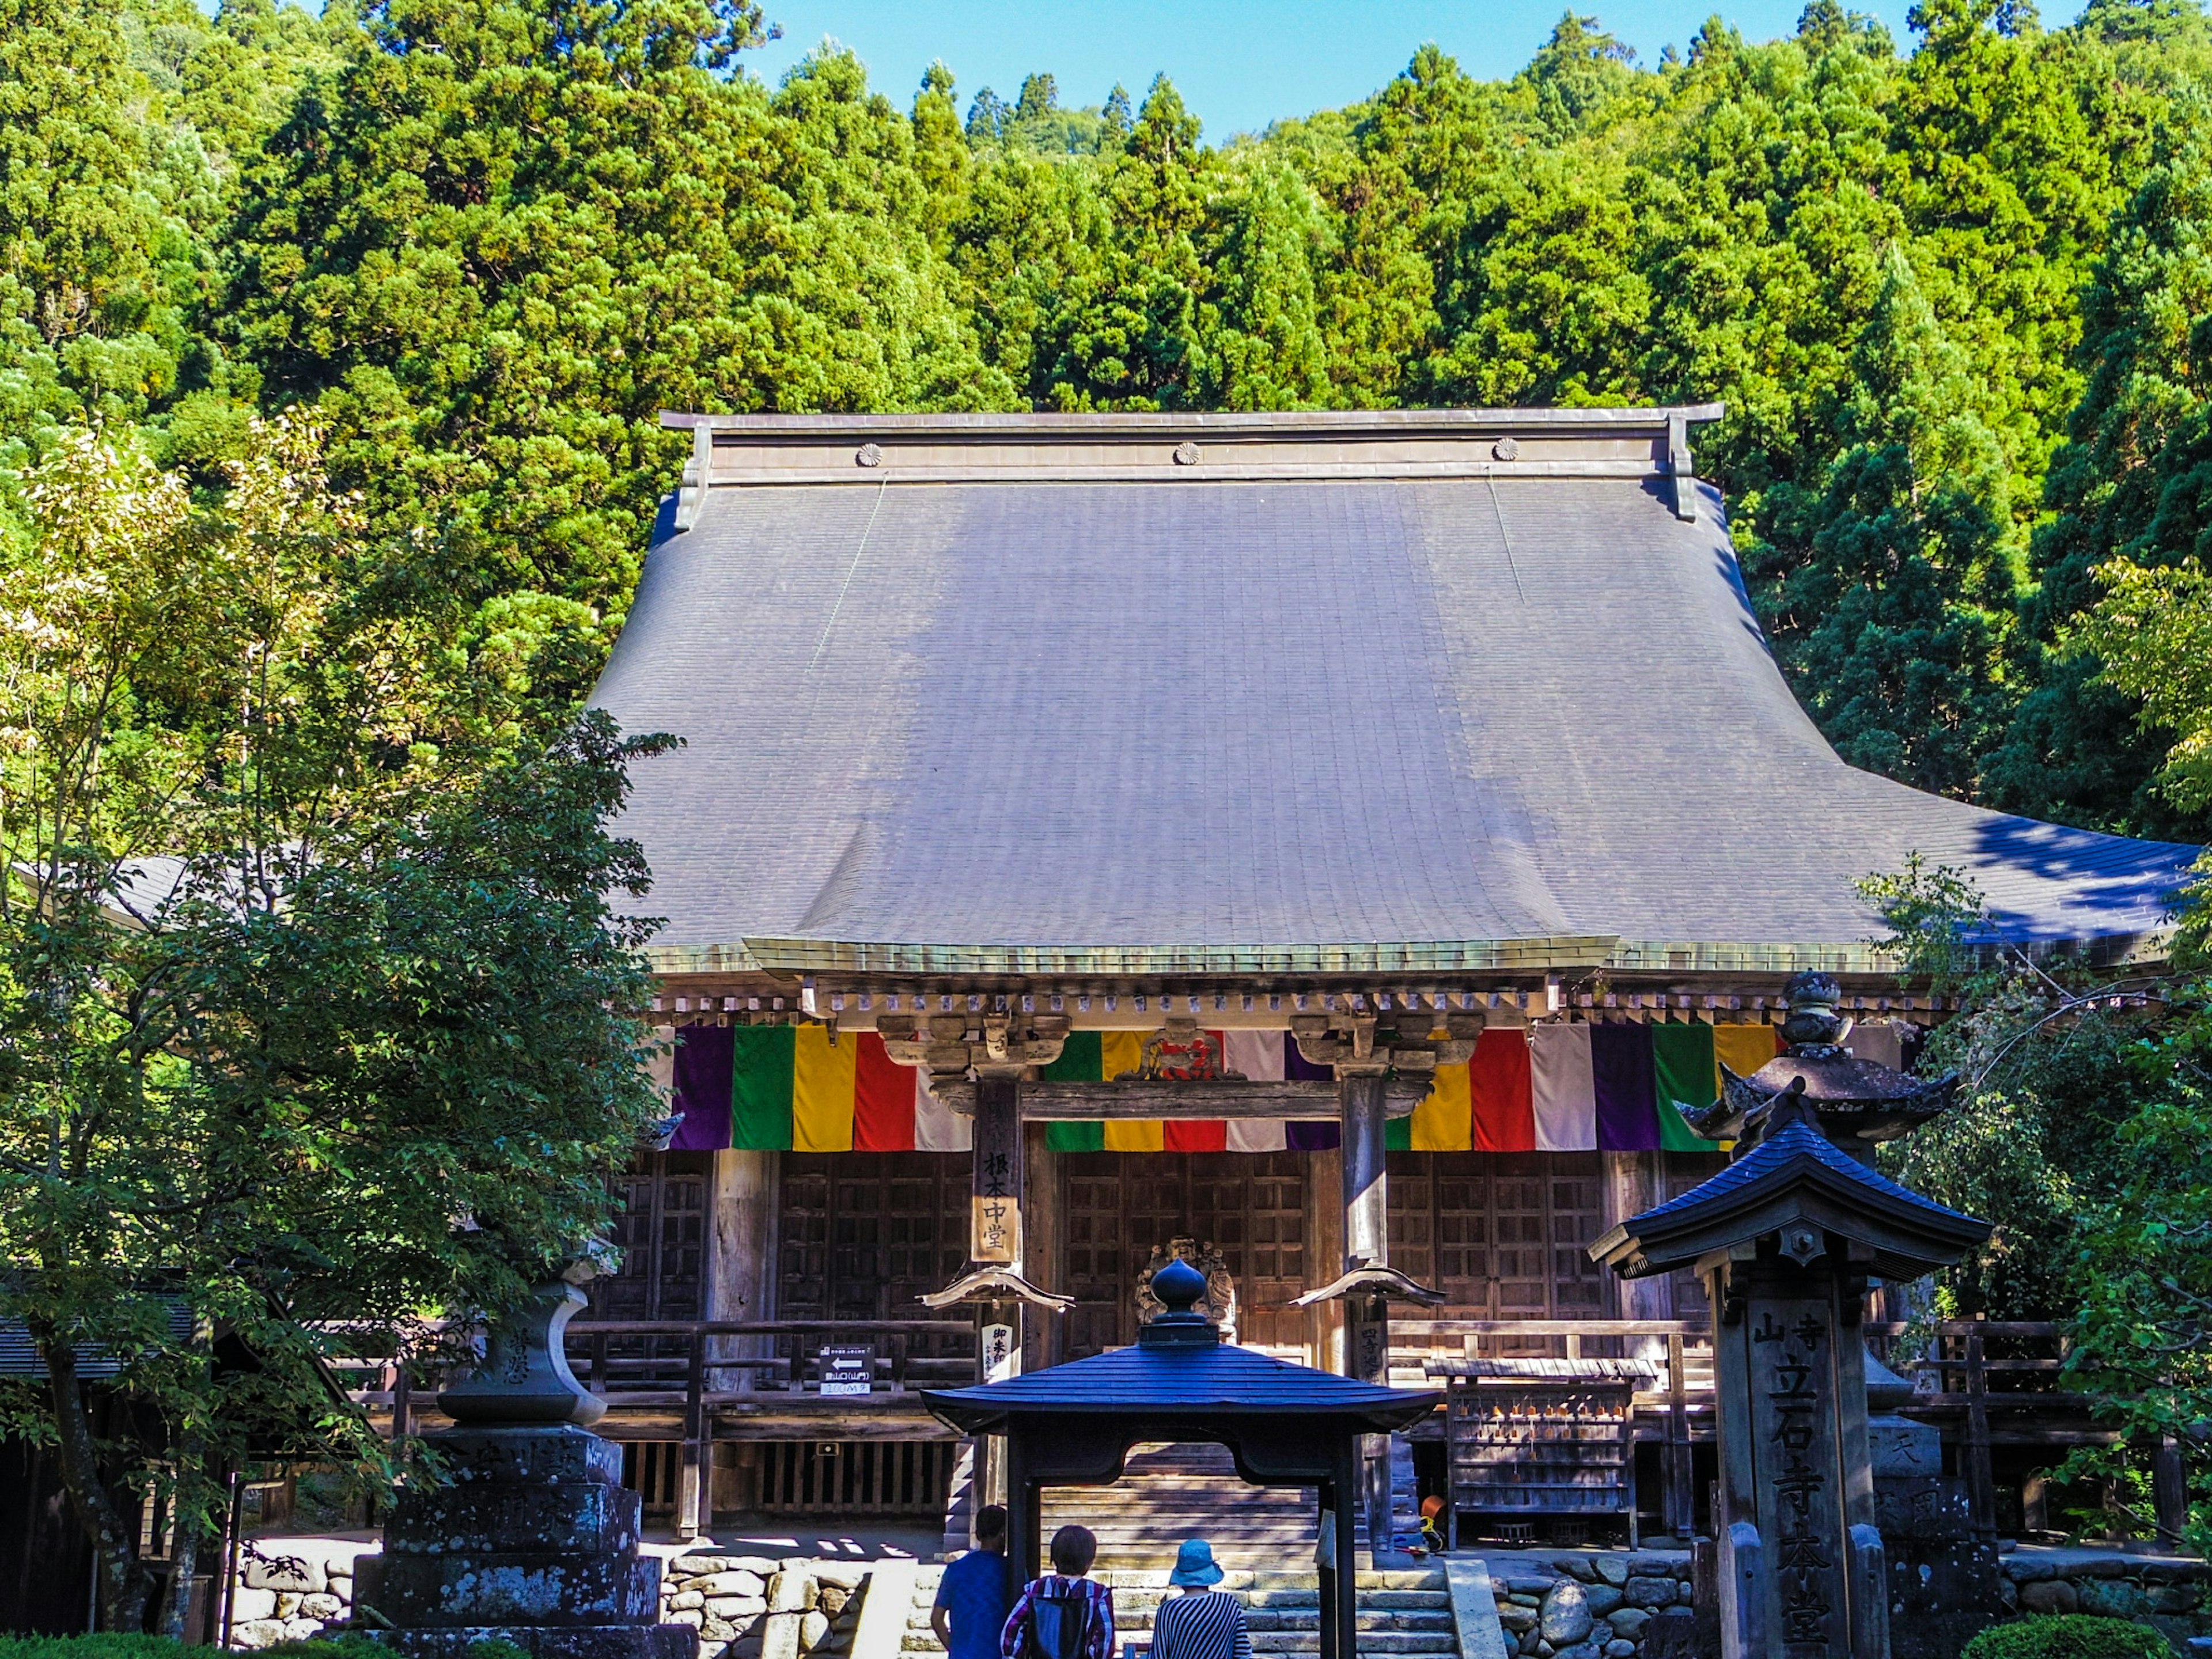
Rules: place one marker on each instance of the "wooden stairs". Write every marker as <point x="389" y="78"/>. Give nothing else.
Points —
<point x="1168" y="1492"/>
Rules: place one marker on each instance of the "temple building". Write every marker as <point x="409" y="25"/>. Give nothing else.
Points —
<point x="1340" y="849"/>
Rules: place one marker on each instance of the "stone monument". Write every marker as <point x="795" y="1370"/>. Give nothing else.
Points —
<point x="534" y="1539"/>
<point x="1943" y="1572"/>
<point x="1786" y="1238"/>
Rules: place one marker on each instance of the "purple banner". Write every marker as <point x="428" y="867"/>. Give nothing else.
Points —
<point x="705" y="1059"/>
<point x="1627" y="1096"/>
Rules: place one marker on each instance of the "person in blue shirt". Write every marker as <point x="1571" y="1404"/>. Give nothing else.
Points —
<point x="973" y="1598"/>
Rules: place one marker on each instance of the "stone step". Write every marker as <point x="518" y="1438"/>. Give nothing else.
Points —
<point x="1378" y="1641"/>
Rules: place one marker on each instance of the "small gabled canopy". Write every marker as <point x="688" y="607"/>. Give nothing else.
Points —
<point x="1795" y="1175"/>
<point x="1154" y="1380"/>
<point x="1283" y="1425"/>
<point x="1370" y="1279"/>
<point x="1182" y="1381"/>
<point x="996" y="1285"/>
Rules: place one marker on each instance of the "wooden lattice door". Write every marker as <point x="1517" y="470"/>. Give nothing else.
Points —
<point x="1500" y="1233"/>
<point x="1118" y="1207"/>
<point x="1095" y="1245"/>
<point x="1271" y="1265"/>
<point x="864" y="1234"/>
<point x="661" y="1231"/>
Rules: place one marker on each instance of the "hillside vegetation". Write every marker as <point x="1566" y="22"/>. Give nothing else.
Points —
<point x="1952" y="290"/>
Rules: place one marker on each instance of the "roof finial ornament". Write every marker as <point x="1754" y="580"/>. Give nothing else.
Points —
<point x="1816" y="1025"/>
<point x="1179" y="1286"/>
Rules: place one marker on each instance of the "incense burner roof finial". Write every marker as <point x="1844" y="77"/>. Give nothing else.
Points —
<point x="1856" y="1101"/>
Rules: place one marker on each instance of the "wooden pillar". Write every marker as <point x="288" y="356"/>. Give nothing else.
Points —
<point x="1024" y="1517"/>
<point x="1629" y="1188"/>
<point x="737" y="1279"/>
<point x="1325" y="1567"/>
<point x="1629" y="1185"/>
<point x="1736" y="1525"/>
<point x="1361" y="1095"/>
<point x="743" y="1192"/>
<point x="1043" y="1243"/>
<point x="994" y="1234"/>
<point x="1345" y="1619"/>
<point x="1325" y="1344"/>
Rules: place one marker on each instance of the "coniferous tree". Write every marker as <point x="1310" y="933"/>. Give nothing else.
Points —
<point x="1907" y="592"/>
<point x="1264" y="347"/>
<point x="2131" y="492"/>
<point x="1126" y="334"/>
<point x="505" y="237"/>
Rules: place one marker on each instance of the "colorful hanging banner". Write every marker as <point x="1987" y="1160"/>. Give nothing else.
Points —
<point x="1686" y="1079"/>
<point x="1500" y="1094"/>
<point x="1564" y="1097"/>
<point x="1553" y="1087"/>
<point x="1621" y="1080"/>
<point x="1744" y="1048"/>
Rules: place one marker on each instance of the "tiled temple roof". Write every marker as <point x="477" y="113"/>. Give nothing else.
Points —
<point x="1335" y="693"/>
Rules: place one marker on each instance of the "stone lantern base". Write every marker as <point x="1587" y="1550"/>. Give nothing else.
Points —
<point x="535" y="1542"/>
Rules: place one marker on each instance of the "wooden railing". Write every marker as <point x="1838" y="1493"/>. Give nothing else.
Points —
<point x="662" y="1361"/>
<point x="1985" y="1382"/>
<point x="702" y="1363"/>
<point x="1993" y="1382"/>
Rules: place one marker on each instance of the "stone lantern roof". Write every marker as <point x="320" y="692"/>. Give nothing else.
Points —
<point x="1808" y="1196"/>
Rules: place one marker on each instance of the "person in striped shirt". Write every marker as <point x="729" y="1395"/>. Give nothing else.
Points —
<point x="1203" y="1622"/>
<point x="1064" y="1614"/>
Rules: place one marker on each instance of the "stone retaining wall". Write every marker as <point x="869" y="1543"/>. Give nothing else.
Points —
<point x="2171" y="1593"/>
<point x="290" y="1588"/>
<point x="749" y="1607"/>
<point x="1593" y="1606"/>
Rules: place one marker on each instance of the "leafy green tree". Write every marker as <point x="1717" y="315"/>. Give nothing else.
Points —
<point x="2083" y="1131"/>
<point x="100" y="261"/>
<point x="2152" y="631"/>
<point x="315" y="1019"/>
<point x="505" y="236"/>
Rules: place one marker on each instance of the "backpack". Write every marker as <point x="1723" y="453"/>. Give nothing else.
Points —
<point x="1059" y="1624"/>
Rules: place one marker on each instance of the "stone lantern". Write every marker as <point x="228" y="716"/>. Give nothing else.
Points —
<point x="1857" y="1103"/>
<point x="534" y="1540"/>
<point x="1786" y="1238"/>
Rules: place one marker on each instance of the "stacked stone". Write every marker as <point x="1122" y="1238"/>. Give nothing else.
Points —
<point x="2173" y="1595"/>
<point x="290" y="1589"/>
<point x="750" y="1606"/>
<point x="1595" y="1606"/>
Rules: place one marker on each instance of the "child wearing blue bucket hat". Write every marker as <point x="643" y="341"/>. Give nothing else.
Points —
<point x="1203" y="1622"/>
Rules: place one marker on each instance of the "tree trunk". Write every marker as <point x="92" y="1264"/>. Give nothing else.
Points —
<point x="123" y="1584"/>
<point x="187" y="1509"/>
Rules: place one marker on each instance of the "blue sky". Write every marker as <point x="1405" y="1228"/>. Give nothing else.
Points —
<point x="1239" y="63"/>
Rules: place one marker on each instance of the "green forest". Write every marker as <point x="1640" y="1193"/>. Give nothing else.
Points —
<point x="1952" y="288"/>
